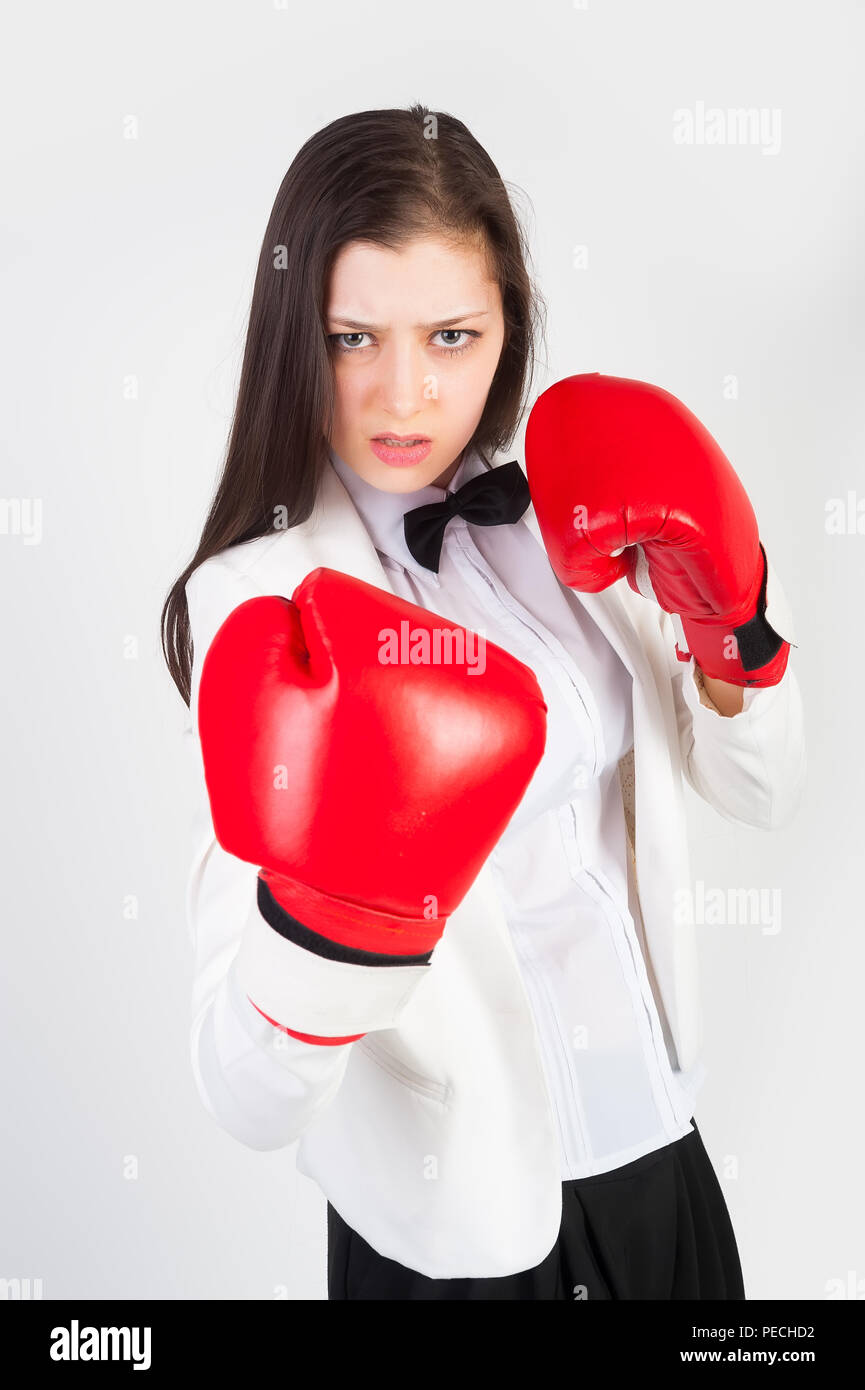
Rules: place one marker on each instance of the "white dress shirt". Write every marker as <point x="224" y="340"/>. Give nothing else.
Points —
<point x="561" y="865"/>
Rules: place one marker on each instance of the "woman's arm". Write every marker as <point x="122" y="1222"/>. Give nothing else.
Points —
<point x="750" y="764"/>
<point x="365" y="850"/>
<point x="726" y="698"/>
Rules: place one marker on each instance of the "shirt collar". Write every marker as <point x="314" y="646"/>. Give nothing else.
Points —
<point x="383" y="512"/>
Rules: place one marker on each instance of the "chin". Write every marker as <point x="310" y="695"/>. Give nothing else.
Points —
<point x="390" y="478"/>
<point x="402" y="479"/>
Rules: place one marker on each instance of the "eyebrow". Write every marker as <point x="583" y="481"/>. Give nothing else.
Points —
<point x="451" y="322"/>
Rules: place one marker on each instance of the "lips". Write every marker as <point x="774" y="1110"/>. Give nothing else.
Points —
<point x="411" y="450"/>
<point x="404" y="438"/>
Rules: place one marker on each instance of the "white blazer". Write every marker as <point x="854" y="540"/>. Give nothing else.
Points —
<point x="433" y="1135"/>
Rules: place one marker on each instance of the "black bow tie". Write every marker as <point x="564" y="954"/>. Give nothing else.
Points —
<point x="498" y="495"/>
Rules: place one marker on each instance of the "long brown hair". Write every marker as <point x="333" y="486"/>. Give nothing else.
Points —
<point x="378" y="176"/>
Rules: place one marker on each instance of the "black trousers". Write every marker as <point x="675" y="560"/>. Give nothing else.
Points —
<point x="656" y="1228"/>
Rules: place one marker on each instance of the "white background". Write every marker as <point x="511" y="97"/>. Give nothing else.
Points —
<point x="130" y="261"/>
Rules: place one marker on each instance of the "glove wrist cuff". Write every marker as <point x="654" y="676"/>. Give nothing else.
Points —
<point x="757" y="657"/>
<point x="341" y="930"/>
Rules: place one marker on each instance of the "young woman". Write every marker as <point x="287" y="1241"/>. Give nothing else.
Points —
<point x="424" y="944"/>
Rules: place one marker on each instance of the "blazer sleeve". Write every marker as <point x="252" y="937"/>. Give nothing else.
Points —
<point x="260" y="1084"/>
<point x="751" y="766"/>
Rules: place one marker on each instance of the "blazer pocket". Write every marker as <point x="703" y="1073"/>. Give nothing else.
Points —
<point x="374" y="1048"/>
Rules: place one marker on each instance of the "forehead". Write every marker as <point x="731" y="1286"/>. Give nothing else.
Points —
<point x="427" y="277"/>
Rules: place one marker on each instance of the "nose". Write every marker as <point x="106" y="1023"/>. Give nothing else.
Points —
<point x="402" y="380"/>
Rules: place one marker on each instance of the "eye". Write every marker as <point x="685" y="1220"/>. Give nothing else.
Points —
<point x="470" y="333"/>
<point x="335" y="337"/>
<point x="449" y="349"/>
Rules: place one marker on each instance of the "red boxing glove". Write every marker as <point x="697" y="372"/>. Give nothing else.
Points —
<point x="352" y="752"/>
<point x="616" y="466"/>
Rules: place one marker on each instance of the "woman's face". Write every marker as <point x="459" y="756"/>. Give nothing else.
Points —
<point x="415" y="338"/>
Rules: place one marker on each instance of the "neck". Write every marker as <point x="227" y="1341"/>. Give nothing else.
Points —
<point x="444" y="478"/>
